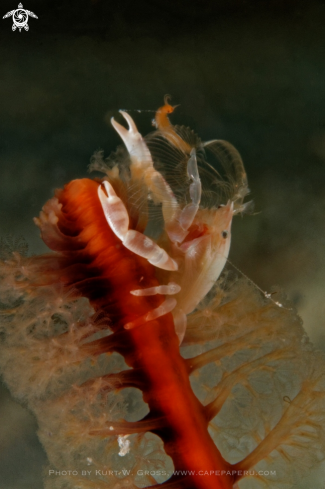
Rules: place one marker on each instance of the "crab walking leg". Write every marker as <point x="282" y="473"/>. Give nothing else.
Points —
<point x="180" y="319"/>
<point x="167" y="306"/>
<point x="178" y="230"/>
<point x="118" y="220"/>
<point x="169" y="289"/>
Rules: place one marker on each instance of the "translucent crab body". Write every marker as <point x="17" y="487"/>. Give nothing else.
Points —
<point x="168" y="204"/>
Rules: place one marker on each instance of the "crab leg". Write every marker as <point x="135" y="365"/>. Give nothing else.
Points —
<point x="117" y="217"/>
<point x="169" y="289"/>
<point x="167" y="306"/>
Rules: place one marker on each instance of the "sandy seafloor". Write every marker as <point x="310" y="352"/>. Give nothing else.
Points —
<point x="252" y="73"/>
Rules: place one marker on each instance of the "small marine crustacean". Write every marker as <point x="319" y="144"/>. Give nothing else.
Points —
<point x="142" y="366"/>
<point x="198" y="240"/>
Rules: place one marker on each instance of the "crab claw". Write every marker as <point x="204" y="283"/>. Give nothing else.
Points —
<point x="132" y="127"/>
<point x="132" y="139"/>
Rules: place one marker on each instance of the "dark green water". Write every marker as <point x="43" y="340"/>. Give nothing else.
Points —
<point x="252" y="73"/>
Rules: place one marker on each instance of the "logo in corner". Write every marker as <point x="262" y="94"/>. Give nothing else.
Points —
<point x="20" y="18"/>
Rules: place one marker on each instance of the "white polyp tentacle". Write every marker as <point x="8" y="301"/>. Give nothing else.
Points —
<point x="170" y="289"/>
<point x="167" y="306"/>
<point x="117" y="217"/>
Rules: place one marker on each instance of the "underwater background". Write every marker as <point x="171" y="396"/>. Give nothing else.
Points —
<point x="250" y="72"/>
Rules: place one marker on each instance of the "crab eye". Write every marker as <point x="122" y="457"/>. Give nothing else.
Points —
<point x="224" y="234"/>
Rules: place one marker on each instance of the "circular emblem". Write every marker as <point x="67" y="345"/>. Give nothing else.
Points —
<point x="20" y="17"/>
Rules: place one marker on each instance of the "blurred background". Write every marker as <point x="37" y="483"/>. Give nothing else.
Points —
<point x="251" y="72"/>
